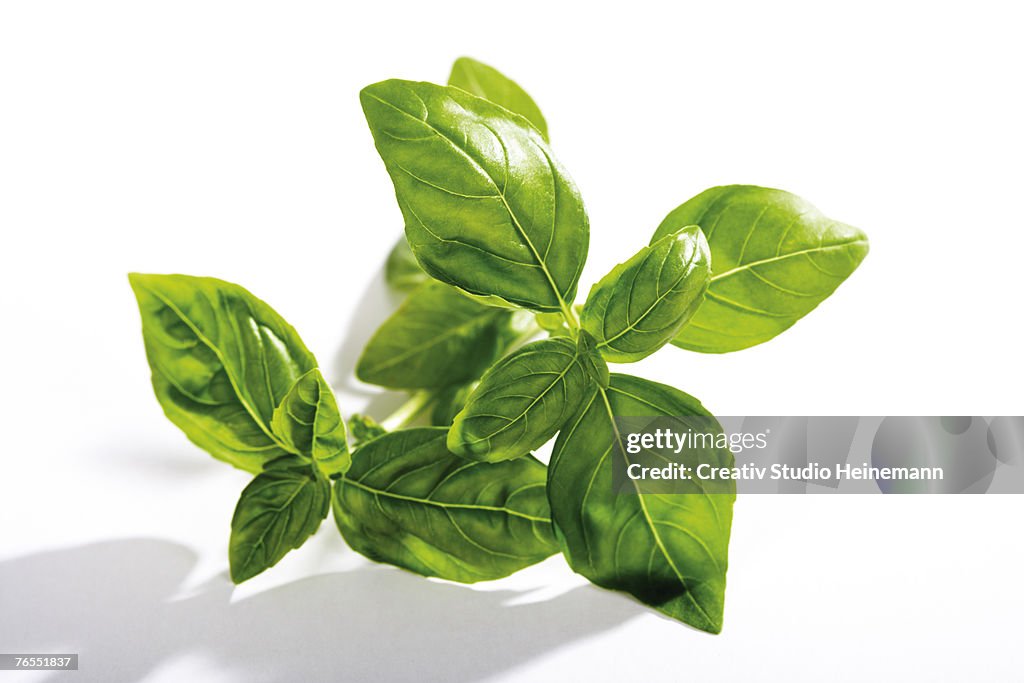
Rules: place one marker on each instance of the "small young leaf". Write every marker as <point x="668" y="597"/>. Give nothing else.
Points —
<point x="668" y="550"/>
<point x="774" y="258"/>
<point x="364" y="428"/>
<point x="401" y="271"/>
<point x="222" y="361"/>
<point x="521" y="402"/>
<point x="592" y="360"/>
<point x="436" y="338"/>
<point x="487" y="208"/>
<point x="309" y="422"/>
<point x="409" y="502"/>
<point x="487" y="82"/>
<point x="277" y="512"/>
<point x="642" y="304"/>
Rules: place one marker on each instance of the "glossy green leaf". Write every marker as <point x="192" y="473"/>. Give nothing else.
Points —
<point x="277" y="512"/>
<point x="642" y="304"/>
<point x="364" y="428"/>
<point x="436" y="338"/>
<point x="308" y="421"/>
<point x="487" y="82"/>
<point x="487" y="208"/>
<point x="409" y="502"/>
<point x="521" y="402"/>
<point x="774" y="258"/>
<point x="668" y="550"/>
<point x="221" y="361"/>
<point x="401" y="271"/>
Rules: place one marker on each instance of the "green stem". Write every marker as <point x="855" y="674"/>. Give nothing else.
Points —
<point x="570" y="317"/>
<point x="408" y="411"/>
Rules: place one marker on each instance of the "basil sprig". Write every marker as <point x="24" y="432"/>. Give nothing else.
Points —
<point x="496" y="237"/>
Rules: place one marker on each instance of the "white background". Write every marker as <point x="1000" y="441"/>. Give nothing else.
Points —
<point x="226" y="139"/>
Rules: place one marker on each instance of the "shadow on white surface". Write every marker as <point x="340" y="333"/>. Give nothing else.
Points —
<point x="157" y="462"/>
<point x="112" y="603"/>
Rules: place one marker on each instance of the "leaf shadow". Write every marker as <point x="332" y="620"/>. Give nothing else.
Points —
<point x="117" y="604"/>
<point x="158" y="462"/>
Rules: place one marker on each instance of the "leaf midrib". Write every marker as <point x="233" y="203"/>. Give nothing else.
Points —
<point x="783" y="257"/>
<point x="441" y="504"/>
<point x="234" y="385"/>
<point x="647" y="516"/>
<point x="500" y="190"/>
<point x="630" y="327"/>
<point x="574" y="359"/>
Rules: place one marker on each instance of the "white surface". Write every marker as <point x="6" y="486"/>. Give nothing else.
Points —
<point x="226" y="139"/>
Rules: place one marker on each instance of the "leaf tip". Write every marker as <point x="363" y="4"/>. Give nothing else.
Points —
<point x="374" y="93"/>
<point x="464" y="60"/>
<point x="137" y="280"/>
<point x="862" y="246"/>
<point x="239" y="573"/>
<point x="142" y="284"/>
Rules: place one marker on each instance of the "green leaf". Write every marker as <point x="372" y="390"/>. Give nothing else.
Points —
<point x="592" y="360"/>
<point x="409" y="502"/>
<point x="449" y="402"/>
<point x="642" y="304"/>
<point x="669" y="551"/>
<point x="308" y="421"/>
<point x="222" y="361"/>
<point x="521" y="402"/>
<point x="774" y="258"/>
<point x="487" y="82"/>
<point x="487" y="208"/>
<point x="519" y="328"/>
<point x="277" y="512"/>
<point x="364" y="428"/>
<point x="436" y="338"/>
<point x="401" y="271"/>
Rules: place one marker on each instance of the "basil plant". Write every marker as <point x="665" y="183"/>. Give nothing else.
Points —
<point x="498" y="358"/>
